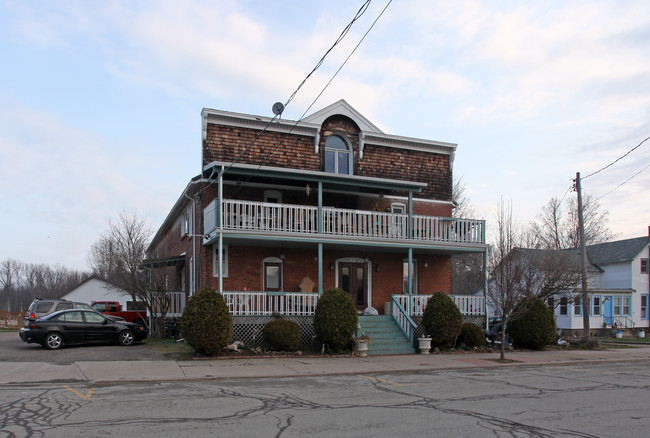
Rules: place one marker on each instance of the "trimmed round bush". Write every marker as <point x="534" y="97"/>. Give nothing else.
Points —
<point x="206" y="323"/>
<point x="335" y="319"/>
<point x="471" y="335"/>
<point x="442" y="320"/>
<point x="282" y="334"/>
<point x="532" y="324"/>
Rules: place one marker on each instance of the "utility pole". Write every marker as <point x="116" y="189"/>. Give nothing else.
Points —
<point x="583" y="258"/>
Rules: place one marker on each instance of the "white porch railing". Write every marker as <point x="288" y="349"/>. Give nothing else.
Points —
<point x="288" y="218"/>
<point x="176" y="305"/>
<point x="303" y="304"/>
<point x="269" y="303"/>
<point x="469" y="305"/>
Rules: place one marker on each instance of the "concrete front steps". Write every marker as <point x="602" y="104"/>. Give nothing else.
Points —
<point x="385" y="335"/>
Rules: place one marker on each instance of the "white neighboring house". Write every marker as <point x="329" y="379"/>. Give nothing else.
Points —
<point x="620" y="295"/>
<point x="95" y="289"/>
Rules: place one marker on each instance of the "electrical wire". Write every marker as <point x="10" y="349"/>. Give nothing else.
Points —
<point x="330" y="81"/>
<point x="624" y="182"/>
<point x="340" y="38"/>
<point x="617" y="160"/>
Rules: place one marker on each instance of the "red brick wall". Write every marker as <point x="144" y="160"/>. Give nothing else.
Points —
<point x="245" y="270"/>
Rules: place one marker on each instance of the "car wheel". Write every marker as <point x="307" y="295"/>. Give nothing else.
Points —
<point x="126" y="337"/>
<point x="53" y="341"/>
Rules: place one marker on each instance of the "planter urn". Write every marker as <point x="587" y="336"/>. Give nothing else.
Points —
<point x="424" y="345"/>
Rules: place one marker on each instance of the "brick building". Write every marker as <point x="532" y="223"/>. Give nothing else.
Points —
<point x="283" y="210"/>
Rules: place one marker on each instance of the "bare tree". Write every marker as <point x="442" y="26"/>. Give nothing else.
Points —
<point x="557" y="224"/>
<point x="118" y="255"/>
<point x="505" y="286"/>
<point x="466" y="269"/>
<point x="9" y="276"/>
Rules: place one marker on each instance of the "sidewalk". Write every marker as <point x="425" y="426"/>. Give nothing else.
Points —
<point x="135" y="371"/>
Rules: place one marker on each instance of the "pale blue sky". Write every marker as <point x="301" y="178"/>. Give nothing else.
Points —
<point x="100" y="101"/>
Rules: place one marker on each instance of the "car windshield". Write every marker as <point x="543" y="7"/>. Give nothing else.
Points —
<point x="85" y="307"/>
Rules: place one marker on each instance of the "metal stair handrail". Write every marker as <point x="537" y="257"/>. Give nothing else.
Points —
<point x="402" y="318"/>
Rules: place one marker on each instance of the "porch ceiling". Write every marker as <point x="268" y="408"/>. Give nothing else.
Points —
<point x="330" y="180"/>
<point x="347" y="244"/>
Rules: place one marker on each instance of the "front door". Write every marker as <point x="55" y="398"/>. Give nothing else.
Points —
<point x="608" y="315"/>
<point x="353" y="278"/>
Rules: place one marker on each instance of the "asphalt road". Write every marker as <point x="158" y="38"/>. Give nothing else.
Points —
<point x="13" y="349"/>
<point x="585" y="400"/>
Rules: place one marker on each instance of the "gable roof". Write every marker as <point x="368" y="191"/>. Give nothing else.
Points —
<point x="617" y="252"/>
<point x="343" y="108"/>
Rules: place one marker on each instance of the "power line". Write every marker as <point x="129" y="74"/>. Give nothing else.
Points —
<point x="624" y="182"/>
<point x="617" y="160"/>
<point x="345" y="31"/>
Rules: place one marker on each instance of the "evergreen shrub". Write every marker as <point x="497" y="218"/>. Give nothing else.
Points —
<point x="471" y="335"/>
<point x="335" y="319"/>
<point x="206" y="323"/>
<point x="282" y="334"/>
<point x="532" y="324"/>
<point x="442" y="320"/>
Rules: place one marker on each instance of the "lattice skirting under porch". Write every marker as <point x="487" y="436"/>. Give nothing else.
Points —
<point x="248" y="329"/>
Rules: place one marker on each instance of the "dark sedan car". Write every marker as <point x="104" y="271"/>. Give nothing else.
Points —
<point x="78" y="326"/>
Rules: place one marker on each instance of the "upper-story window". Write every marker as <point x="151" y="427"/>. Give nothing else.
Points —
<point x="338" y="155"/>
<point x="644" y="266"/>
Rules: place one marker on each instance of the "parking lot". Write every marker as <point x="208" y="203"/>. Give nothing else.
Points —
<point x="12" y="349"/>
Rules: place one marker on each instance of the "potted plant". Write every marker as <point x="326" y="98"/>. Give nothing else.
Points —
<point x="361" y="344"/>
<point x="424" y="344"/>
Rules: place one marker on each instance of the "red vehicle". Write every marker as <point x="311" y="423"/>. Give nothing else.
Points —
<point x="113" y="308"/>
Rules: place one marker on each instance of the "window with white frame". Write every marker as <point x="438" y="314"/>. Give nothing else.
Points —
<point x="577" y="306"/>
<point x="405" y="276"/>
<point x="617" y="305"/>
<point x="595" y="308"/>
<point x="644" y="266"/>
<point x="551" y="304"/>
<point x="644" y="306"/>
<point x="215" y="260"/>
<point x="338" y="155"/>
<point x="626" y="306"/>
<point x="564" y="306"/>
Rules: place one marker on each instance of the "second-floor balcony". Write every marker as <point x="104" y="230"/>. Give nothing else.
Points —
<point x="330" y="221"/>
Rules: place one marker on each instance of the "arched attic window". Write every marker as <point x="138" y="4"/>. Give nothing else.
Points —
<point x="338" y="154"/>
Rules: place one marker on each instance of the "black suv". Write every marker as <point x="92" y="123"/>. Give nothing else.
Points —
<point x="42" y="307"/>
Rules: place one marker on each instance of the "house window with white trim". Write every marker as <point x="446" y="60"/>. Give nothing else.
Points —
<point x="644" y="266"/>
<point x="563" y="306"/>
<point x="626" y="306"/>
<point x="215" y="261"/>
<point x="617" y="305"/>
<point x="338" y="155"/>
<point x="644" y="306"/>
<point x="405" y="276"/>
<point x="577" y="306"/>
<point x="595" y="308"/>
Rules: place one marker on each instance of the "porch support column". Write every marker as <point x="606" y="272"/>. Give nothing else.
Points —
<point x="409" y="224"/>
<point x="485" y="286"/>
<point x="319" y="218"/>
<point x="320" y="268"/>
<point x="220" y="225"/>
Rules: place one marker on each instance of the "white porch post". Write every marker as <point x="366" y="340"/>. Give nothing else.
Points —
<point x="220" y="223"/>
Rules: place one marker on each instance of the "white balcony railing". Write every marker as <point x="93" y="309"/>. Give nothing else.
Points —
<point x="286" y="218"/>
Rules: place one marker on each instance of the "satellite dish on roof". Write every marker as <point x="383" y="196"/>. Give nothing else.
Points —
<point x="278" y="107"/>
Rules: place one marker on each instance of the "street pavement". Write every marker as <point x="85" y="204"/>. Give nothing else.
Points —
<point x="95" y="372"/>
